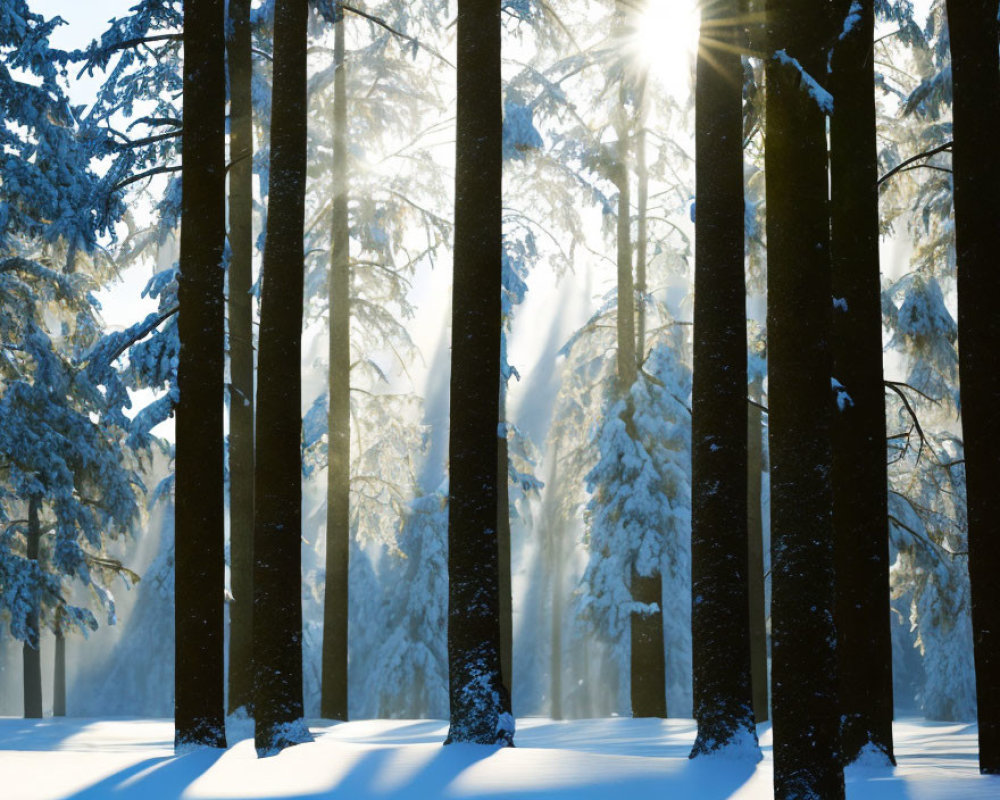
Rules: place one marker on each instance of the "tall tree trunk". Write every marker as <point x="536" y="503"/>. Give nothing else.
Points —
<point x="976" y="107"/>
<point x="755" y="552"/>
<point x="32" y="649"/>
<point x="555" y="530"/>
<point x="277" y="618"/>
<point x="338" y="481"/>
<point x="805" y="715"/>
<point x="860" y="480"/>
<point x="59" y="677"/>
<point x="642" y="225"/>
<point x="648" y="687"/>
<point x="720" y="605"/>
<point x="240" y="357"/>
<point x="480" y="704"/>
<point x="503" y="552"/>
<point x="199" y="542"/>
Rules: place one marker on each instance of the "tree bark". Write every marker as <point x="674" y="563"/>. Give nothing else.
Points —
<point x="480" y="705"/>
<point x="804" y="709"/>
<point x="32" y="648"/>
<point x="59" y="678"/>
<point x="755" y="574"/>
<point x="241" y="399"/>
<point x="976" y="163"/>
<point x="860" y="480"/>
<point x="338" y="481"/>
<point x="277" y="620"/>
<point x="720" y="605"/>
<point x="199" y="549"/>
<point x="503" y="553"/>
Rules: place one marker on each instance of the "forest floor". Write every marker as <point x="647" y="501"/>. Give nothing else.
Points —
<point x="404" y="760"/>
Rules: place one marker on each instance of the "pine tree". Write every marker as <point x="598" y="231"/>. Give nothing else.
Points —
<point x="338" y="526"/>
<point x="805" y="715"/>
<point x="199" y="540"/>
<point x="860" y="480"/>
<point x="241" y="400"/>
<point x="976" y="108"/>
<point x="277" y="614"/>
<point x="480" y="705"/>
<point x="720" y="606"/>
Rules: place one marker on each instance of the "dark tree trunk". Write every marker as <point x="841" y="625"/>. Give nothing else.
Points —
<point x="32" y="649"/>
<point x="199" y="549"/>
<point x="480" y="705"/>
<point x="755" y="574"/>
<point x="338" y="481"/>
<point x="860" y="481"/>
<point x="59" y="678"/>
<point x="277" y="616"/>
<point x="503" y="553"/>
<point x="720" y="605"/>
<point x="240" y="357"/>
<point x="976" y="107"/>
<point x="804" y="710"/>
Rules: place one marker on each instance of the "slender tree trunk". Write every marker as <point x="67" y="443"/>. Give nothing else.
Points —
<point x="755" y="552"/>
<point x="199" y="543"/>
<point x="277" y="619"/>
<point x="338" y="481"/>
<point x="648" y="663"/>
<point x="976" y="107"/>
<point x="860" y="481"/>
<point x="556" y="638"/>
<point x="59" y="678"/>
<point x="480" y="704"/>
<point x="240" y="357"/>
<point x="720" y="605"/>
<point x="32" y="649"/>
<point x="642" y="227"/>
<point x="503" y="552"/>
<point x="807" y="761"/>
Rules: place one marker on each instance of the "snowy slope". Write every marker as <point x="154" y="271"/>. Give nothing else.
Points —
<point x="382" y="759"/>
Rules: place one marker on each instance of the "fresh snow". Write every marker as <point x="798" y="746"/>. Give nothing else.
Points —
<point x="87" y="759"/>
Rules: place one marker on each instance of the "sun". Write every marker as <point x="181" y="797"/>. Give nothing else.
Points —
<point x="667" y="39"/>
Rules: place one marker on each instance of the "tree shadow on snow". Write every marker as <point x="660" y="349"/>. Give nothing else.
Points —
<point x="546" y="775"/>
<point x="156" y="778"/>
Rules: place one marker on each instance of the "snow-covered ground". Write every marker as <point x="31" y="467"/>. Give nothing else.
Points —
<point x="403" y="760"/>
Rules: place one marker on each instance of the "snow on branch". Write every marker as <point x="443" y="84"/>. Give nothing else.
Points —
<point x="822" y="97"/>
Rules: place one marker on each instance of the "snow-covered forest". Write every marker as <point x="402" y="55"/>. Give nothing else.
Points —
<point x="615" y="379"/>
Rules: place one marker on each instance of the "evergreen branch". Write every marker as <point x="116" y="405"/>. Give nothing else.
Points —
<point x="149" y="173"/>
<point x="159" y="137"/>
<point x="902" y="166"/>
<point x="155" y="122"/>
<point x="382" y="23"/>
<point x="142" y="333"/>
<point x="895" y="387"/>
